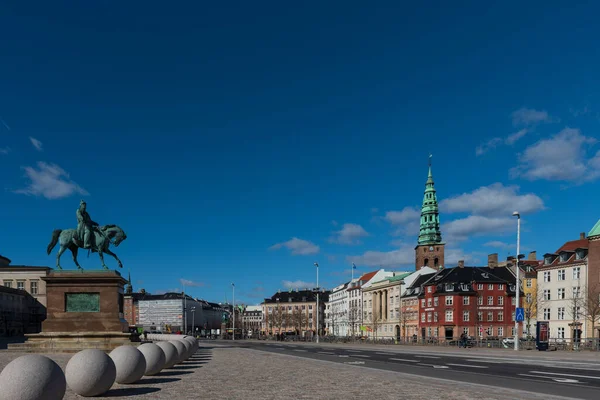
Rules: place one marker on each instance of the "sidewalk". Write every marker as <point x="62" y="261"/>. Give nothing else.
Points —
<point x="571" y="356"/>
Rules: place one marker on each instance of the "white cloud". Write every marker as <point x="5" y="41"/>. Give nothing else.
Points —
<point x="513" y="138"/>
<point x="562" y="157"/>
<point x="476" y="225"/>
<point x="298" y="284"/>
<point x="36" y="143"/>
<point x="403" y="256"/>
<point x="50" y="181"/>
<point x="398" y="243"/>
<point x="297" y="247"/>
<point x="487" y="146"/>
<point x="453" y="256"/>
<point x="4" y="150"/>
<point x="493" y="200"/>
<point x="499" y="245"/>
<point x="188" y="283"/>
<point x="528" y="116"/>
<point x="349" y="234"/>
<point x="406" y="220"/>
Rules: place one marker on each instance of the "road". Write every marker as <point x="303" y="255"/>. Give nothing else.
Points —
<point x="573" y="379"/>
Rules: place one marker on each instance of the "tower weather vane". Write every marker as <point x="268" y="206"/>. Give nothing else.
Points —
<point x="90" y="236"/>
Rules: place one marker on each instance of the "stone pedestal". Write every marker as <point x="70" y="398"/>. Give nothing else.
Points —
<point x="84" y="310"/>
<point x="84" y="301"/>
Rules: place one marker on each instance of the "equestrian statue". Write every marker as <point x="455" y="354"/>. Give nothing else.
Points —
<point x="89" y="235"/>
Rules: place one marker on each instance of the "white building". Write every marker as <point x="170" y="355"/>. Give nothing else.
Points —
<point x="562" y="287"/>
<point x="337" y="311"/>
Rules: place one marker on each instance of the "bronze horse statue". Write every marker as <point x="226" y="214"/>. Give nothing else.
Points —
<point x="104" y="236"/>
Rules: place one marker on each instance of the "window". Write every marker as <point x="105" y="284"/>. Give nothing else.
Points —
<point x="561" y="313"/>
<point x="576" y="272"/>
<point x="465" y="316"/>
<point x="513" y="301"/>
<point x="500" y="331"/>
<point x="500" y="300"/>
<point x="33" y="286"/>
<point x="546" y="276"/>
<point x="490" y="316"/>
<point x="435" y="317"/>
<point x="480" y="316"/>
<point x="429" y="317"/>
<point x="423" y="303"/>
<point x="576" y="312"/>
<point x="429" y="302"/>
<point x="564" y="257"/>
<point x="547" y="294"/>
<point x="490" y="301"/>
<point x="449" y="287"/>
<point x="513" y="316"/>
<point x="576" y="291"/>
<point x="500" y="286"/>
<point x="480" y="286"/>
<point x="449" y="316"/>
<point x="21" y="285"/>
<point x="436" y="301"/>
<point x="560" y="333"/>
<point x="428" y="289"/>
<point x="546" y="314"/>
<point x="480" y="301"/>
<point x="528" y="298"/>
<point x="561" y="274"/>
<point x="422" y="317"/>
<point x="512" y="331"/>
<point x="548" y="260"/>
<point x="561" y="293"/>
<point x="490" y="286"/>
<point x="448" y="300"/>
<point x="500" y="316"/>
<point x="465" y="300"/>
<point x="8" y="284"/>
<point x="466" y="331"/>
<point x="528" y="282"/>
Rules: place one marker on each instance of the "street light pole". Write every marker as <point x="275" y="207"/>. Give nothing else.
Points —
<point x="518" y="283"/>
<point x="317" y="265"/>
<point x="193" y="320"/>
<point x="233" y="309"/>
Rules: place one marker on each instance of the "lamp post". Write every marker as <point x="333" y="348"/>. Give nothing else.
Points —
<point x="518" y="283"/>
<point x="193" y="320"/>
<point x="233" y="309"/>
<point x="317" y="265"/>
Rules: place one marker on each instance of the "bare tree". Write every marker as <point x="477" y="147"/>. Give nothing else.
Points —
<point x="576" y="312"/>
<point x="278" y="317"/>
<point x="591" y="306"/>
<point x="299" y="320"/>
<point x="353" y="318"/>
<point x="532" y="304"/>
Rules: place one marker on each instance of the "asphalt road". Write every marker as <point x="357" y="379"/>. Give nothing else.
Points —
<point x="580" y="380"/>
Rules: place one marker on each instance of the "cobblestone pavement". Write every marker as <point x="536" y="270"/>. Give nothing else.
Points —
<point x="221" y="372"/>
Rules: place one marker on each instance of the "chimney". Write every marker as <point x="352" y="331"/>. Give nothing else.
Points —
<point x="582" y="235"/>
<point x="493" y="260"/>
<point x="532" y="256"/>
<point x="461" y="263"/>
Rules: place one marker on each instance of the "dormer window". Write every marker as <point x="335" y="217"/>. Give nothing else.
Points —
<point x="580" y="254"/>
<point x="464" y="287"/>
<point x="449" y="287"/>
<point x="564" y="257"/>
<point x="549" y="259"/>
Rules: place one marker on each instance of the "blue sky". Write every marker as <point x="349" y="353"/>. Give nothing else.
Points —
<point x="246" y="141"/>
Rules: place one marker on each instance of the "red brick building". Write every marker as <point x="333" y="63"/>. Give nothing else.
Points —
<point x="478" y="301"/>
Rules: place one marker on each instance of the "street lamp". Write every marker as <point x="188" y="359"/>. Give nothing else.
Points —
<point x="317" y="265"/>
<point x="518" y="286"/>
<point x="233" y="309"/>
<point x="193" y="320"/>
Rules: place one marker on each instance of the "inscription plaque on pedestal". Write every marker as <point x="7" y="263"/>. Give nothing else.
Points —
<point x="82" y="302"/>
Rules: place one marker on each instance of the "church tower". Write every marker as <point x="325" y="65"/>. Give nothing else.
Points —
<point x="430" y="249"/>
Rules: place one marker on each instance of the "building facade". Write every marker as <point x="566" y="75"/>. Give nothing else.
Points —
<point x="20" y="312"/>
<point x="476" y="301"/>
<point x="294" y="312"/>
<point x="252" y="320"/>
<point x="23" y="277"/>
<point x="384" y="297"/>
<point x="337" y="319"/>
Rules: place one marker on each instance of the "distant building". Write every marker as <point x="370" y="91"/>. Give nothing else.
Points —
<point x="294" y="312"/>
<point x="20" y="313"/>
<point x="252" y="320"/>
<point x="23" y="277"/>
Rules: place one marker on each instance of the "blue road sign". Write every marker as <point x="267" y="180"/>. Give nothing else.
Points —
<point x="520" y="314"/>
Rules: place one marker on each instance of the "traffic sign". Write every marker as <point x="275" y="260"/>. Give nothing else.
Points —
<point x="520" y="314"/>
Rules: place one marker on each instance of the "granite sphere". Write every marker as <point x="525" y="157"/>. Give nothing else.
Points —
<point x="130" y="363"/>
<point x="180" y="350"/>
<point x="154" y="356"/>
<point x="32" y="377"/>
<point x="90" y="373"/>
<point x="188" y="348"/>
<point x="171" y="355"/>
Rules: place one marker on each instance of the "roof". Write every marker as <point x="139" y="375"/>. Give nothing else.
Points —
<point x="574" y="244"/>
<point x="570" y="249"/>
<point x="421" y="279"/>
<point x="23" y="268"/>
<point x="396" y="278"/>
<point x="595" y="230"/>
<point x="4" y="260"/>
<point x="472" y="274"/>
<point x="298" y="297"/>
<point x="368" y="276"/>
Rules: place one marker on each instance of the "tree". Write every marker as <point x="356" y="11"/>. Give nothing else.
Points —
<point x="353" y="318"/>
<point x="532" y="302"/>
<point x="591" y="306"/>
<point x="404" y="319"/>
<point x="278" y="316"/>
<point x="299" y="320"/>
<point x="576" y="311"/>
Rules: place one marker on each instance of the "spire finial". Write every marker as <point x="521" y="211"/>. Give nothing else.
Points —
<point x="430" y="156"/>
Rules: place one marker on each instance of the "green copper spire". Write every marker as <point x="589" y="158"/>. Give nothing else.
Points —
<point x="429" y="232"/>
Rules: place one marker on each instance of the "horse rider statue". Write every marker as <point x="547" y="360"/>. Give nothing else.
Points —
<point x="85" y="227"/>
